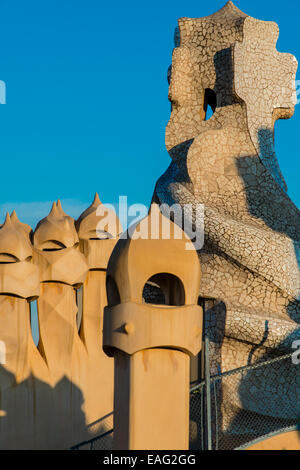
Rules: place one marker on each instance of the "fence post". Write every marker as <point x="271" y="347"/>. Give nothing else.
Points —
<point x="207" y="385"/>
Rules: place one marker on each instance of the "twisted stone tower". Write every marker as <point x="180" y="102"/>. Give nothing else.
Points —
<point x="250" y="270"/>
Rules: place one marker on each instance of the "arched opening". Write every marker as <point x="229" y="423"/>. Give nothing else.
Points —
<point x="112" y="292"/>
<point x="164" y="289"/>
<point x="210" y="103"/>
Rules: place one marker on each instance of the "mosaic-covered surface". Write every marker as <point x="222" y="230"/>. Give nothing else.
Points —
<point x="250" y="271"/>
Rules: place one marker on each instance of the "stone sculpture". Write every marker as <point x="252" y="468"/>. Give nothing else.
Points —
<point x="59" y="393"/>
<point x="152" y="344"/>
<point x="250" y="271"/>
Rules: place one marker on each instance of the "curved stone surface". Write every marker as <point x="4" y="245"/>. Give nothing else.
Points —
<point x="250" y="258"/>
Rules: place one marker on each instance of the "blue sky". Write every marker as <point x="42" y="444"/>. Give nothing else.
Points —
<point x="87" y="98"/>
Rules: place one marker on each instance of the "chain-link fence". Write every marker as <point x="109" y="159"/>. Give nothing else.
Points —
<point x="246" y="405"/>
<point x="237" y="408"/>
<point x="102" y="442"/>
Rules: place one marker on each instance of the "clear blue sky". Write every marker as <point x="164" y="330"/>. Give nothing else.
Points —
<point x="87" y="98"/>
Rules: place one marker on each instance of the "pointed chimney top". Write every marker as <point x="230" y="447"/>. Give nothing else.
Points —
<point x="7" y="220"/>
<point x="15" y="220"/>
<point x="96" y="201"/>
<point x="60" y="209"/>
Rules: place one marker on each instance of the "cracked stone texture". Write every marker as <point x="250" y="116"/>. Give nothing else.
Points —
<point x="249" y="262"/>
